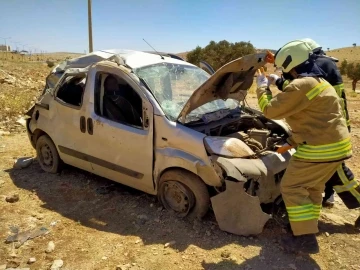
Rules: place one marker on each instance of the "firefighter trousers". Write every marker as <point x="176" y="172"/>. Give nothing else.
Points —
<point x="301" y="189"/>
<point x="346" y="187"/>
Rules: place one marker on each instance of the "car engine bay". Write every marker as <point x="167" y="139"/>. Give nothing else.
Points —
<point x="255" y="130"/>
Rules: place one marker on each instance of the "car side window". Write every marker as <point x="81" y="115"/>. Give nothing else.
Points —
<point x="72" y="90"/>
<point x="116" y="100"/>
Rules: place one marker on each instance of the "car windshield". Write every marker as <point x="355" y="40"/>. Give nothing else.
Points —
<point x="173" y="85"/>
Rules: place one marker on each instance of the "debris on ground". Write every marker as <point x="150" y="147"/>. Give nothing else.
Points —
<point x="21" y="121"/>
<point x="53" y="223"/>
<point x="57" y="264"/>
<point x="105" y="189"/>
<point x="50" y="247"/>
<point x="171" y="243"/>
<point x="225" y="254"/>
<point x="13" y="263"/>
<point x="232" y="216"/>
<point x="31" y="260"/>
<point x="18" y="268"/>
<point x="4" y="133"/>
<point x="12" y="198"/>
<point x="123" y="267"/>
<point x="22" y="163"/>
<point x="21" y="237"/>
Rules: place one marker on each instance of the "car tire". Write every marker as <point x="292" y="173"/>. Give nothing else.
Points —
<point x="184" y="193"/>
<point x="47" y="155"/>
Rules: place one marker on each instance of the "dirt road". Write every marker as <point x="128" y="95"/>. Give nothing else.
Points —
<point x="98" y="225"/>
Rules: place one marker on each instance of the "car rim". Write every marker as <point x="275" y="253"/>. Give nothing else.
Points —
<point x="46" y="156"/>
<point x="177" y="197"/>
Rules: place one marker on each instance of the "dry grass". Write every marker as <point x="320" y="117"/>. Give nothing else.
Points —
<point x="100" y="231"/>
<point x="5" y="56"/>
<point x="20" y="84"/>
<point x="350" y="53"/>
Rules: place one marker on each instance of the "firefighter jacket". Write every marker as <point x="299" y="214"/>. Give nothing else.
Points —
<point x="313" y="110"/>
<point x="333" y="76"/>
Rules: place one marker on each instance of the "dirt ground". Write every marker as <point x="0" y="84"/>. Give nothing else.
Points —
<point x="98" y="224"/>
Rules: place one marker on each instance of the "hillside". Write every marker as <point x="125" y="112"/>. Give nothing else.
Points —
<point x="349" y="53"/>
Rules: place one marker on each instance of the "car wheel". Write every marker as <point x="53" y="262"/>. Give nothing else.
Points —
<point x="185" y="193"/>
<point x="47" y="155"/>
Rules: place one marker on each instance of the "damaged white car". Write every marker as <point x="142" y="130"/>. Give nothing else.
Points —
<point x="166" y="127"/>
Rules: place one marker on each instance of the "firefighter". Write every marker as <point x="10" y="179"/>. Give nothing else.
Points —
<point x="313" y="110"/>
<point x="343" y="180"/>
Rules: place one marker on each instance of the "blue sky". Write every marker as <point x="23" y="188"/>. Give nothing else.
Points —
<point x="177" y="25"/>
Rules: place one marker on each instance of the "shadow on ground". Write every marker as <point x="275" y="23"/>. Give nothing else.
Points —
<point x="101" y="204"/>
<point x="266" y="260"/>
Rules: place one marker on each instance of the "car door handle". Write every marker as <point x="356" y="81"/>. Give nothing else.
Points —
<point x="82" y="124"/>
<point x="90" y="127"/>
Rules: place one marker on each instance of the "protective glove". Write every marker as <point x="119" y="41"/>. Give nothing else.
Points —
<point x="273" y="78"/>
<point x="262" y="80"/>
<point x="284" y="148"/>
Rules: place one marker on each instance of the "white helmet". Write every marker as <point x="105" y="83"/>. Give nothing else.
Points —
<point x="292" y="54"/>
<point x="312" y="44"/>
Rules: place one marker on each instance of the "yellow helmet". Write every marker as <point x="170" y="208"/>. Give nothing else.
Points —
<point x="312" y="44"/>
<point x="292" y="54"/>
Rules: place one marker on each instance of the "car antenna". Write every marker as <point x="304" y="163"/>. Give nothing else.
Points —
<point x="162" y="57"/>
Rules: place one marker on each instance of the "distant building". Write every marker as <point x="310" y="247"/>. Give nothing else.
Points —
<point x="5" y="48"/>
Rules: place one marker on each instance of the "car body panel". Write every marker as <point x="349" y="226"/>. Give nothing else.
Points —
<point x="230" y="81"/>
<point x="138" y="156"/>
<point x="182" y="147"/>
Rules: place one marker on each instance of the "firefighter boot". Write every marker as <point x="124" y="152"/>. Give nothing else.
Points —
<point x="306" y="243"/>
<point x="357" y="223"/>
<point x="329" y="203"/>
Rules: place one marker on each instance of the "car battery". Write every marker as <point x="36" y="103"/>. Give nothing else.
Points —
<point x="259" y="135"/>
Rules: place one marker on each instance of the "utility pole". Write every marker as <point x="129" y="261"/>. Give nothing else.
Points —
<point x="5" y="45"/>
<point x="16" y="45"/>
<point x="90" y="27"/>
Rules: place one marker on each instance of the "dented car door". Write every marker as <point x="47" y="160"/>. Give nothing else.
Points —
<point x="117" y="149"/>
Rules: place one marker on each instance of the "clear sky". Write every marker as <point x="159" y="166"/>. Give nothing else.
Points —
<point x="177" y="25"/>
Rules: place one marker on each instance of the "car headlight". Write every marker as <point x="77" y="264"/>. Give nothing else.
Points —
<point x="227" y="147"/>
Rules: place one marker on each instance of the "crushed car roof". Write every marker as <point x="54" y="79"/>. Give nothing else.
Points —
<point x="133" y="59"/>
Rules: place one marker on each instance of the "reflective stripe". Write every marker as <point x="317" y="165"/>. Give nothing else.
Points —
<point x="327" y="147"/>
<point x="303" y="212"/>
<point x="317" y="90"/>
<point x="339" y="89"/>
<point x="263" y="101"/>
<point x="337" y="150"/>
<point x="346" y="182"/>
<point x="346" y="187"/>
<point x="285" y="83"/>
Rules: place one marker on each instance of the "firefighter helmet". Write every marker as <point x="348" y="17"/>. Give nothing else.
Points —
<point x="292" y="54"/>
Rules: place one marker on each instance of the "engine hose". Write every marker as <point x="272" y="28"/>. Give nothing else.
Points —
<point x="255" y="144"/>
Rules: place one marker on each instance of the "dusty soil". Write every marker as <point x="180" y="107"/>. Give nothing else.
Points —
<point x="98" y="224"/>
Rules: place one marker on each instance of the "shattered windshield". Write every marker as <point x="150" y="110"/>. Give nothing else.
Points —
<point x="173" y="84"/>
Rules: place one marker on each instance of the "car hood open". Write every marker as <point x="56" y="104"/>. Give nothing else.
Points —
<point x="230" y="81"/>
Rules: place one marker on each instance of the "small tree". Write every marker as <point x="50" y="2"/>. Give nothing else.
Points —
<point x="354" y="44"/>
<point x="219" y="53"/>
<point x="343" y="67"/>
<point x="352" y="70"/>
<point x="328" y="49"/>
